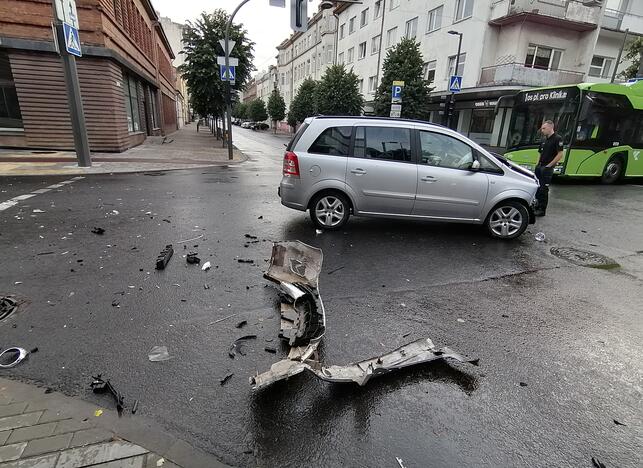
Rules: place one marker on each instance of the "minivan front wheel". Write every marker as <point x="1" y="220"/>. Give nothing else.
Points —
<point x="508" y="220"/>
<point x="329" y="210"/>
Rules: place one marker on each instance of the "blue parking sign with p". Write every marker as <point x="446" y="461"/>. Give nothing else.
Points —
<point x="397" y="91"/>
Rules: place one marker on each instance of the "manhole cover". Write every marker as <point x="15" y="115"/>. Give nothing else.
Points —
<point x="8" y="306"/>
<point x="584" y="257"/>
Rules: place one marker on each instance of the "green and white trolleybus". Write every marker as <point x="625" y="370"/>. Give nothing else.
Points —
<point x="601" y="125"/>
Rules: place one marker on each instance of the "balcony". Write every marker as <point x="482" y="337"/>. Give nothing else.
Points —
<point x="516" y="74"/>
<point x="622" y="20"/>
<point x="576" y="15"/>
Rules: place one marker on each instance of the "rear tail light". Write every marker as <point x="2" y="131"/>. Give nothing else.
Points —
<point x="291" y="164"/>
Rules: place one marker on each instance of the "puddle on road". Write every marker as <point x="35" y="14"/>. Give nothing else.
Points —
<point x="584" y="258"/>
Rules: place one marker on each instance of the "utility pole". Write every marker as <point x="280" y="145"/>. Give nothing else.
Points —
<point x="455" y="72"/>
<point x="620" y="53"/>
<point x="67" y="11"/>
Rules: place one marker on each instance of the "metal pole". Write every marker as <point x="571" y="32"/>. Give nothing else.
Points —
<point x="379" y="52"/>
<point x="455" y="72"/>
<point x="336" y="35"/>
<point x="618" y="59"/>
<point x="228" y="87"/>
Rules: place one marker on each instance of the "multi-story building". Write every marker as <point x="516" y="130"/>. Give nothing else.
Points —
<point x="507" y="45"/>
<point x="250" y="91"/>
<point x="126" y="76"/>
<point x="174" y="34"/>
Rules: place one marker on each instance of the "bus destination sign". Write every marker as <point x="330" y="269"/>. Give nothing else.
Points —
<point x="549" y="95"/>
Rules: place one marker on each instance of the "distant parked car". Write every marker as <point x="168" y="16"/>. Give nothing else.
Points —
<point x="261" y="126"/>
<point x="399" y="168"/>
<point x="247" y="125"/>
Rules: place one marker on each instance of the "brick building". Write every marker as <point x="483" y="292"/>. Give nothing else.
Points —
<point x="126" y="77"/>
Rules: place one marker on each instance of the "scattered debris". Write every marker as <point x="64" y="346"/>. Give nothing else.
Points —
<point x="164" y="257"/>
<point x="159" y="353"/>
<point x="206" y="286"/>
<point x="166" y="220"/>
<point x="9" y="361"/>
<point x="206" y="266"/>
<point x="523" y="384"/>
<point x="318" y="231"/>
<point x="222" y="319"/>
<point x="335" y="270"/>
<point x="115" y="303"/>
<point x="135" y="407"/>
<point x="98" y="412"/>
<point x="37" y="211"/>
<point x="49" y="390"/>
<point x="260" y="217"/>
<point x="461" y="320"/>
<point x="540" y="236"/>
<point x="249" y="236"/>
<point x="270" y="349"/>
<point x="115" y="212"/>
<point x="241" y="324"/>
<point x="295" y="267"/>
<point x="406" y="334"/>
<point x="192" y="258"/>
<point x="8" y="306"/>
<point x="99" y="385"/>
<point x="237" y="345"/>
<point x="619" y="423"/>
<point x="189" y="240"/>
<point x="597" y="463"/>
<point x="400" y="462"/>
<point x="245" y="260"/>
<point x="98" y="230"/>
<point x="224" y="380"/>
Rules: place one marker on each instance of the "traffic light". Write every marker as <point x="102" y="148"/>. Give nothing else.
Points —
<point x="299" y="15"/>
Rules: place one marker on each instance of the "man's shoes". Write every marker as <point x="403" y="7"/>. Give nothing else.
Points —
<point x="539" y="213"/>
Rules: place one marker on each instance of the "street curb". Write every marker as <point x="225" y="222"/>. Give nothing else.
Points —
<point x="132" y="428"/>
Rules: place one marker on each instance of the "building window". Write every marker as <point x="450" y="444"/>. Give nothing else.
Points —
<point x="600" y="66"/>
<point x="460" y="70"/>
<point x="394" y="4"/>
<point x="10" y="115"/>
<point x="363" y="19"/>
<point x="350" y="55"/>
<point x="463" y="9"/>
<point x="429" y="71"/>
<point x="361" y="52"/>
<point x="411" y="29"/>
<point x="340" y="58"/>
<point x="131" y="104"/>
<point x="375" y="44"/>
<point x="544" y="58"/>
<point x="341" y="31"/>
<point x="377" y="9"/>
<point x="391" y="37"/>
<point x="360" y="85"/>
<point x="435" y="19"/>
<point x="153" y="108"/>
<point x="372" y="83"/>
<point x="351" y="25"/>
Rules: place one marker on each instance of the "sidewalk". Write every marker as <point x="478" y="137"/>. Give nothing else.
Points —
<point x="49" y="430"/>
<point x="183" y="149"/>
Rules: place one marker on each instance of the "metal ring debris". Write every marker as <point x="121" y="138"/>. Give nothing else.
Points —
<point x="22" y="354"/>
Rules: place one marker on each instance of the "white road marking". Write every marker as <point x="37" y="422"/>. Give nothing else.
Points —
<point x="15" y="200"/>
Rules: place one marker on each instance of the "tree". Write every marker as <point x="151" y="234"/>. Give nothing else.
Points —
<point x="240" y="110"/>
<point x="404" y="62"/>
<point x="303" y="105"/>
<point x="200" y="70"/>
<point x="257" y="110"/>
<point x="337" y="93"/>
<point x="633" y="53"/>
<point x="276" y="107"/>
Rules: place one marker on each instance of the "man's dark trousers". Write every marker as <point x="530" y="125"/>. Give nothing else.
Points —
<point x="544" y="175"/>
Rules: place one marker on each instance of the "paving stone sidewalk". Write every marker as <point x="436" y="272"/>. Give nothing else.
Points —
<point x="49" y="430"/>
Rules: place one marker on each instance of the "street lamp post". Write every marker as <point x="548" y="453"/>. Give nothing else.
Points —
<point x="455" y="72"/>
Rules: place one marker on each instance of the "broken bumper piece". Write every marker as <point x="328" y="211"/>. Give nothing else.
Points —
<point x="416" y="352"/>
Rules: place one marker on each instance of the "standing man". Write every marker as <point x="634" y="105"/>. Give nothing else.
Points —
<point x="551" y="151"/>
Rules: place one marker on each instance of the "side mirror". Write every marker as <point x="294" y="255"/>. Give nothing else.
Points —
<point x="475" y="165"/>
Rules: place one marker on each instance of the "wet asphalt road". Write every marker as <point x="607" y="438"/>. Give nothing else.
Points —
<point x="571" y="335"/>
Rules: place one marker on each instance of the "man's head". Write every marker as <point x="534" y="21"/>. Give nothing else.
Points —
<point x="547" y="128"/>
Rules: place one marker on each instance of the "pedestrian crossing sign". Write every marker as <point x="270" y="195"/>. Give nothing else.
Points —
<point x="455" y="84"/>
<point x="228" y="74"/>
<point x="72" y="40"/>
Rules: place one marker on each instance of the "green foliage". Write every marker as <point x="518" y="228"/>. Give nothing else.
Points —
<point x="200" y="70"/>
<point x="257" y="111"/>
<point x="276" y="106"/>
<point x="404" y="62"/>
<point x="240" y="110"/>
<point x="292" y="121"/>
<point x="633" y="54"/>
<point x="303" y="105"/>
<point x="337" y="93"/>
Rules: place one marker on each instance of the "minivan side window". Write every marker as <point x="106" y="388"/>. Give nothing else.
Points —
<point x="387" y="143"/>
<point x="295" y="139"/>
<point x="444" y="151"/>
<point x="334" y="141"/>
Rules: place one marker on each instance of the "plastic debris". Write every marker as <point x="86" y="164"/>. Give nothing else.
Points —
<point x="98" y="412"/>
<point x="619" y="423"/>
<point x="461" y="320"/>
<point x="206" y="266"/>
<point x="597" y="463"/>
<point x="135" y="407"/>
<point x="164" y="257"/>
<point x="270" y="349"/>
<point x="224" y="380"/>
<point x="318" y="231"/>
<point x="540" y="237"/>
<point x="245" y="260"/>
<point x="206" y="286"/>
<point x="9" y="362"/>
<point x="249" y="236"/>
<point x="222" y="319"/>
<point x="99" y="385"/>
<point x="37" y="211"/>
<point x="160" y="462"/>
<point x="241" y="324"/>
<point x="192" y="258"/>
<point x="400" y="462"/>
<point x="237" y="345"/>
<point x="98" y="230"/>
<point x="523" y="384"/>
<point x="159" y="353"/>
<point x="189" y="240"/>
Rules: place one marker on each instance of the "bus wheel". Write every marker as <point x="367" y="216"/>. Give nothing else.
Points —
<point x="613" y="171"/>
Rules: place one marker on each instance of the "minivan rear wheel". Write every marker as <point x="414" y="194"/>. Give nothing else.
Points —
<point x="329" y="210"/>
<point x="508" y="220"/>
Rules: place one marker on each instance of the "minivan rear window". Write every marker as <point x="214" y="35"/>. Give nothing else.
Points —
<point x="334" y="141"/>
<point x="297" y="136"/>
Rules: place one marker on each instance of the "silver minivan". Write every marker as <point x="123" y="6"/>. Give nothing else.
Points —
<point x="397" y="168"/>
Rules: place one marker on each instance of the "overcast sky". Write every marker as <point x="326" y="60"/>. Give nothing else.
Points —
<point x="267" y="26"/>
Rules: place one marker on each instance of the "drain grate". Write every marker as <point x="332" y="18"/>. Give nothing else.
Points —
<point x="8" y="306"/>
<point x="584" y="257"/>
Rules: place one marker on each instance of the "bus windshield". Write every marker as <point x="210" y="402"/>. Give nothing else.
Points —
<point x="534" y="107"/>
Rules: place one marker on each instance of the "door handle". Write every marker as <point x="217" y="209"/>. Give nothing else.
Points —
<point x="358" y="171"/>
<point x="428" y="179"/>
